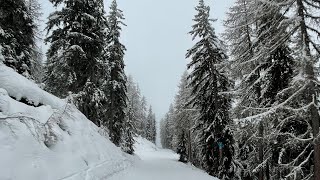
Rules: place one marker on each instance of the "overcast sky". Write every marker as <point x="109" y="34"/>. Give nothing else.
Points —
<point x="157" y="39"/>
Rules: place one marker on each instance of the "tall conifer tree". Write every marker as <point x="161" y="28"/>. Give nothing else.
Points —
<point x="208" y="83"/>
<point x="76" y="37"/>
<point x="286" y="104"/>
<point x="116" y="84"/>
<point x="17" y="36"/>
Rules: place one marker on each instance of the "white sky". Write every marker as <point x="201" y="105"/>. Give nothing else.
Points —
<point x="156" y="38"/>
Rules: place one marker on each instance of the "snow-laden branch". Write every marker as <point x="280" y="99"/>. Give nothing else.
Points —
<point x="279" y="106"/>
<point x="298" y="169"/>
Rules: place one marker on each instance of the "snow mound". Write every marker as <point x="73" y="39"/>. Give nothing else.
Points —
<point x="142" y="144"/>
<point x="19" y="87"/>
<point x="147" y="150"/>
<point x="54" y="141"/>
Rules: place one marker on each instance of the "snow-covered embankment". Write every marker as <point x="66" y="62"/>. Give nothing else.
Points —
<point x="43" y="137"/>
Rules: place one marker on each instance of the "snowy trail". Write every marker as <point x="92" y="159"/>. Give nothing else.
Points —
<point x="161" y="165"/>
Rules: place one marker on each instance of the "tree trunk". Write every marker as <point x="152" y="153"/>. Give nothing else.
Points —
<point x="311" y="91"/>
<point x="261" y="129"/>
<point x="189" y="146"/>
<point x="267" y="171"/>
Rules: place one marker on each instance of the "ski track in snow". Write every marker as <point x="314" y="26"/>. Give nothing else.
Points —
<point x="160" y="164"/>
<point x="118" y="167"/>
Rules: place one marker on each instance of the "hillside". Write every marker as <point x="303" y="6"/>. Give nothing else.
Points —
<point x="43" y="137"/>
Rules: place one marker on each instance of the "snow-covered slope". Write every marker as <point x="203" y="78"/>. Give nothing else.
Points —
<point x="143" y="146"/>
<point x="50" y="142"/>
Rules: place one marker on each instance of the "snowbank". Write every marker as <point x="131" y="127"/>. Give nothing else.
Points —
<point x="144" y="145"/>
<point x="147" y="150"/>
<point x="50" y="142"/>
<point x="19" y="87"/>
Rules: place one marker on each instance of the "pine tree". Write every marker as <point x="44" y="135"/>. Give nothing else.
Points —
<point x="299" y="129"/>
<point x="183" y="118"/>
<point x="167" y="129"/>
<point x="208" y="83"/>
<point x="170" y="127"/>
<point x="116" y="84"/>
<point x="37" y="68"/>
<point x="17" y="36"/>
<point x="182" y="149"/>
<point x="138" y="108"/>
<point x="151" y="126"/>
<point x="128" y="134"/>
<point x="240" y="33"/>
<point x="133" y="94"/>
<point x="163" y="132"/>
<point x="265" y="75"/>
<point x="286" y="105"/>
<point x="76" y="37"/>
<point x="142" y="116"/>
<point x="92" y="101"/>
<point x="148" y="126"/>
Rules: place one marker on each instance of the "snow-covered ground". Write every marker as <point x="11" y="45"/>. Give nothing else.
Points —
<point x="54" y="141"/>
<point x="43" y="137"/>
<point x="159" y="164"/>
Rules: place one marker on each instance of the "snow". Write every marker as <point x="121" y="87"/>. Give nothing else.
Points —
<point x="19" y="87"/>
<point x="159" y="164"/>
<point x="54" y="141"/>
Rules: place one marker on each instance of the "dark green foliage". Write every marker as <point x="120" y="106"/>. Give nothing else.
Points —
<point x="17" y="36"/>
<point x="182" y="149"/>
<point x="208" y="82"/>
<point x="91" y="101"/>
<point x="151" y="126"/>
<point x="75" y="62"/>
<point x="128" y="135"/>
<point x="116" y="83"/>
<point x="76" y="33"/>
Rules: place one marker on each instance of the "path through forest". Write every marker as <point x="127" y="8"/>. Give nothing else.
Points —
<point x="160" y="164"/>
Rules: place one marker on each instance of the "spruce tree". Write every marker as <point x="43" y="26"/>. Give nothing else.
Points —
<point x="142" y="116"/>
<point x="75" y="59"/>
<point x="116" y="84"/>
<point x="76" y="36"/>
<point x="182" y="149"/>
<point x="208" y="83"/>
<point x="153" y="128"/>
<point x="134" y="97"/>
<point x="149" y="124"/>
<point x="163" y="132"/>
<point x="170" y="127"/>
<point x="37" y="68"/>
<point x="17" y="36"/>
<point x="167" y="129"/>
<point x="183" y="118"/>
<point x="127" y="140"/>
